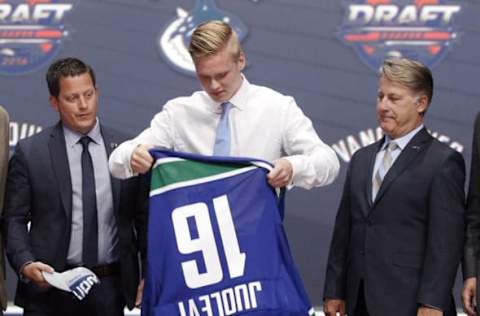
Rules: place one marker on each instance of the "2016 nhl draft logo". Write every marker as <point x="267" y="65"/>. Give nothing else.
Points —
<point x="418" y="29"/>
<point x="31" y="32"/>
<point x="174" y="40"/>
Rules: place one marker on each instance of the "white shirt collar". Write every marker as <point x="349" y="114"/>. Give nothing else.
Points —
<point x="238" y="100"/>
<point x="404" y="140"/>
<point x="72" y="137"/>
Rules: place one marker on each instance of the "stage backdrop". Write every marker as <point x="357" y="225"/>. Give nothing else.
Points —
<point x="323" y="52"/>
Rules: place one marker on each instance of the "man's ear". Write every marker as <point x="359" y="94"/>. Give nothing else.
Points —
<point x="242" y="61"/>
<point x="53" y="102"/>
<point x="422" y="104"/>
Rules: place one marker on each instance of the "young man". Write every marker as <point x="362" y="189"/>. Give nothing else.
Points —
<point x="398" y="234"/>
<point x="58" y="180"/>
<point x="232" y="117"/>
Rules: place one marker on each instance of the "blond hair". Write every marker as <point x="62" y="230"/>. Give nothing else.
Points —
<point x="211" y="37"/>
<point x="409" y="73"/>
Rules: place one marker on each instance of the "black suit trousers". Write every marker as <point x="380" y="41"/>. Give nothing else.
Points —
<point x="361" y="306"/>
<point x="103" y="299"/>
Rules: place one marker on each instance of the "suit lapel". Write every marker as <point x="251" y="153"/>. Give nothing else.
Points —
<point x="61" y="168"/>
<point x="110" y="145"/>
<point x="408" y="154"/>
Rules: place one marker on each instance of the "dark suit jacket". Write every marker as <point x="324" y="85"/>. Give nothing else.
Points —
<point x="39" y="190"/>
<point x="4" y="128"/>
<point x="406" y="245"/>
<point x="471" y="262"/>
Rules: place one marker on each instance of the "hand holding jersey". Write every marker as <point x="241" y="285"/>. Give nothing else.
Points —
<point x="280" y="176"/>
<point x="141" y="160"/>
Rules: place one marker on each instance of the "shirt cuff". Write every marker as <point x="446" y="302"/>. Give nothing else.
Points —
<point x="296" y="162"/>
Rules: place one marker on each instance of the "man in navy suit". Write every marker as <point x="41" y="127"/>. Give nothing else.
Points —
<point x="398" y="235"/>
<point x="58" y="181"/>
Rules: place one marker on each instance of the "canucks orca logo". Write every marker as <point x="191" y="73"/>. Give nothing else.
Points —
<point x="31" y="32"/>
<point x="418" y="29"/>
<point x="175" y="38"/>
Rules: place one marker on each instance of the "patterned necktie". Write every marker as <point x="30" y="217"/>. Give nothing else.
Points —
<point x="89" y="203"/>
<point x="382" y="170"/>
<point x="222" y="138"/>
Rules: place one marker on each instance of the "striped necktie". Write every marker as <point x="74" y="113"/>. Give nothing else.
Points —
<point x="222" y="138"/>
<point x="382" y="170"/>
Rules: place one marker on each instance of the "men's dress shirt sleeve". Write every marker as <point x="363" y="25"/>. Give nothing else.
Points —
<point x="314" y="163"/>
<point x="292" y="135"/>
<point x="159" y="134"/>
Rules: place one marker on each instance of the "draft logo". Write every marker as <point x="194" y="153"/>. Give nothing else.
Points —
<point x="420" y="29"/>
<point x="31" y="32"/>
<point x="174" y="39"/>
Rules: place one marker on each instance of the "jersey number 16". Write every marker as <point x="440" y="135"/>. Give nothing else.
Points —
<point x="206" y="244"/>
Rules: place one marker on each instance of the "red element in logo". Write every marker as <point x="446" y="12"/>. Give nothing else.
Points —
<point x="419" y="29"/>
<point x="31" y="32"/>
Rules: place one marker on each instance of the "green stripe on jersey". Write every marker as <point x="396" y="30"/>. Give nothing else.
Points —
<point x="179" y="170"/>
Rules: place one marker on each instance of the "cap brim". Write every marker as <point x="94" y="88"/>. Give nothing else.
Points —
<point x="57" y="280"/>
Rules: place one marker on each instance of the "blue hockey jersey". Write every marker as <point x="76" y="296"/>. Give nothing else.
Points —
<point x="216" y="243"/>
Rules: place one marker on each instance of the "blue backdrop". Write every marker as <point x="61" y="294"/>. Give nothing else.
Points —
<point x="314" y="50"/>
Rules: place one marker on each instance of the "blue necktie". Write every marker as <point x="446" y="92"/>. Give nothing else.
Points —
<point x="89" y="201"/>
<point x="222" y="139"/>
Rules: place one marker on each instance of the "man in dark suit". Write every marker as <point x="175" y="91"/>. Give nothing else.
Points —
<point x="4" y="128"/>
<point x="58" y="181"/>
<point x="471" y="262"/>
<point x="398" y="235"/>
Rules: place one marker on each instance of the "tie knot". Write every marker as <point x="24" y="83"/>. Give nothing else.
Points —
<point x="85" y="140"/>
<point x="392" y="146"/>
<point x="226" y="107"/>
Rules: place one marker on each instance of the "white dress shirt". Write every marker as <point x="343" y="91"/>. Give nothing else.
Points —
<point x="264" y="124"/>
<point x="107" y="228"/>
